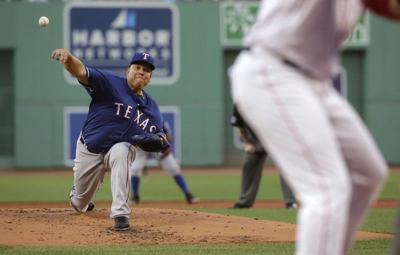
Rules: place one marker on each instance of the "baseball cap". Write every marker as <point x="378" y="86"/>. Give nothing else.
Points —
<point x="143" y="57"/>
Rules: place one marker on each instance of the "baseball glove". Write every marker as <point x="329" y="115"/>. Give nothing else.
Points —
<point x="151" y="142"/>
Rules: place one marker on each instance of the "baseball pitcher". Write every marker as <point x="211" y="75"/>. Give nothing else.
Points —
<point x="121" y="116"/>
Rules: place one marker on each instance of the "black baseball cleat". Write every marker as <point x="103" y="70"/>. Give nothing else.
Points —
<point x="135" y="199"/>
<point x="121" y="223"/>
<point x="90" y="207"/>
<point x="240" y="206"/>
<point x="190" y="199"/>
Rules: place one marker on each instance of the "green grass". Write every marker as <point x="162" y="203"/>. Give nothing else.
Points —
<point x="156" y="187"/>
<point x="376" y="247"/>
<point x="34" y="188"/>
<point x="270" y="249"/>
<point x="380" y="220"/>
<point x="392" y="187"/>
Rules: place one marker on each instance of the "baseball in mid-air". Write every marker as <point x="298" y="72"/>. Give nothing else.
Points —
<point x="44" y="21"/>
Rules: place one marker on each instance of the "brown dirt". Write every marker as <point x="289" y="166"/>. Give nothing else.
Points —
<point x="41" y="225"/>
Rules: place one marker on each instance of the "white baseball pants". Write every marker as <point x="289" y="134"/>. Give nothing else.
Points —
<point x="168" y="163"/>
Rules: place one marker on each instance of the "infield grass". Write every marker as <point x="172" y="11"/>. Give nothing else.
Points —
<point x="376" y="247"/>
<point x="155" y="187"/>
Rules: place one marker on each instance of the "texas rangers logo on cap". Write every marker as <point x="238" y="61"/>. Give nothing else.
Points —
<point x="143" y="57"/>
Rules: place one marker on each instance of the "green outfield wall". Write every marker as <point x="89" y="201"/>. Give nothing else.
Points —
<point x="34" y="92"/>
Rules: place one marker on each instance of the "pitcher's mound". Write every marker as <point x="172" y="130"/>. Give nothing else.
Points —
<point x="55" y="227"/>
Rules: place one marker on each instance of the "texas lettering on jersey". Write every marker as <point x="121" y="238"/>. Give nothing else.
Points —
<point x="112" y="98"/>
<point x="140" y="119"/>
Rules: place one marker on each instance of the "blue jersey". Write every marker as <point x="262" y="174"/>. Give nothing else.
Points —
<point x="116" y="113"/>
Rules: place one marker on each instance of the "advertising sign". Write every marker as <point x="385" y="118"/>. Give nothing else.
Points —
<point x="105" y="35"/>
<point x="236" y="18"/>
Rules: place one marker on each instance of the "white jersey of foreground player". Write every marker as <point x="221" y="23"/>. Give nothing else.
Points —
<point x="308" y="33"/>
<point x="282" y="87"/>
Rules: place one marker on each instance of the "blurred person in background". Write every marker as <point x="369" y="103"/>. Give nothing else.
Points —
<point x="167" y="162"/>
<point x="252" y="168"/>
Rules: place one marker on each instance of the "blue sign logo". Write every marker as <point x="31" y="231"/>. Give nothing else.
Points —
<point x="106" y="36"/>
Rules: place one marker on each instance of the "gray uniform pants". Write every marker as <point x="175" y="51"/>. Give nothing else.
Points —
<point x="89" y="169"/>
<point x="251" y="178"/>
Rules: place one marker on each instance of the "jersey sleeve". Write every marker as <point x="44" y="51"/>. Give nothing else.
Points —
<point x="98" y="82"/>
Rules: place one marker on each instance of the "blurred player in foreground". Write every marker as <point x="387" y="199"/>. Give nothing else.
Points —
<point x="121" y="115"/>
<point x="282" y="88"/>
<point x="253" y="167"/>
<point x="168" y="163"/>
